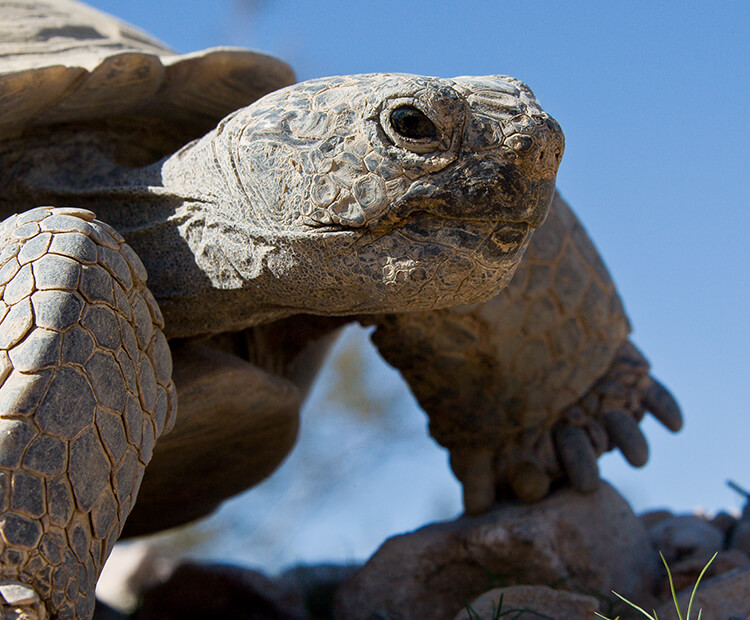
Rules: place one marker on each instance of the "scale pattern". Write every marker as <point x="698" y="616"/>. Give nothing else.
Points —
<point x="539" y="345"/>
<point x="86" y="391"/>
<point x="541" y="378"/>
<point x="317" y="200"/>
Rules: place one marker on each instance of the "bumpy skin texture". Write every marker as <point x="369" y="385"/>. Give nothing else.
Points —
<point x="534" y="384"/>
<point x="86" y="391"/>
<point x="311" y="201"/>
<point x="386" y="198"/>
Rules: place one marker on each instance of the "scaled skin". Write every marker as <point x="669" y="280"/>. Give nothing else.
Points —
<point x="309" y="201"/>
<point x="388" y="199"/>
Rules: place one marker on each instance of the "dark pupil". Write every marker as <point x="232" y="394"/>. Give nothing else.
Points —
<point x="411" y="123"/>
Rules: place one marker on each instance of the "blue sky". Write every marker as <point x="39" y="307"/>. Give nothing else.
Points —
<point x="653" y="98"/>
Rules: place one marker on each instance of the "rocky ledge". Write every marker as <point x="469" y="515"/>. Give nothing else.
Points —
<point x="560" y="558"/>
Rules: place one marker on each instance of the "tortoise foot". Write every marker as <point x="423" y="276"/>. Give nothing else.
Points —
<point x="608" y="417"/>
<point x="85" y="390"/>
<point x="524" y="464"/>
<point x="20" y="602"/>
<point x="487" y="474"/>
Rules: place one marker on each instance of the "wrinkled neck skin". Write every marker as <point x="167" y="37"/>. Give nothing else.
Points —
<point x="226" y="269"/>
<point x="199" y="290"/>
<point x="161" y="210"/>
<point x="211" y="265"/>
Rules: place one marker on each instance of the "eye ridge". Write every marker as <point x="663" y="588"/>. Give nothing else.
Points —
<point x="412" y="123"/>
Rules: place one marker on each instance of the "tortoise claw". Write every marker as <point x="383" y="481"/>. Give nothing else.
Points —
<point x="566" y="447"/>
<point x="624" y="433"/>
<point x="20" y="602"/>
<point x="474" y="470"/>
<point x="529" y="482"/>
<point x="577" y="457"/>
<point x="662" y="405"/>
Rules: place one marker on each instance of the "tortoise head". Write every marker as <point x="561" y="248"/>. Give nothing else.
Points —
<point x="387" y="192"/>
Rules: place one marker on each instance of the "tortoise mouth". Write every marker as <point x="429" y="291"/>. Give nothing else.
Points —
<point x="330" y="228"/>
<point x="487" y="241"/>
<point x="484" y="240"/>
<point x="422" y="261"/>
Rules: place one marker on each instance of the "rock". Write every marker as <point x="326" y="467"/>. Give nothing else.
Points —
<point x="724" y="522"/>
<point x="219" y="591"/>
<point x="592" y="543"/>
<point x="315" y="585"/>
<point x="558" y="604"/>
<point x="102" y="611"/>
<point x="686" y="537"/>
<point x="740" y="537"/>
<point x="726" y="597"/>
<point x="686" y="572"/>
<point x="652" y="517"/>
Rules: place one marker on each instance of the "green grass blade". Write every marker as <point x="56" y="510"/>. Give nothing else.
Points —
<point x="674" y="594"/>
<point x="634" y="606"/>
<point x="695" y="587"/>
<point x="671" y="586"/>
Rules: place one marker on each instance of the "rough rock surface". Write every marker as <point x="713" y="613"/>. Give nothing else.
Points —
<point x="571" y="542"/>
<point x="566" y="539"/>
<point x="686" y="537"/>
<point x="740" y="536"/>
<point x="686" y="572"/>
<point x="726" y="597"/>
<point x="316" y="585"/>
<point x="688" y="542"/>
<point x="220" y="591"/>
<point x="534" y="601"/>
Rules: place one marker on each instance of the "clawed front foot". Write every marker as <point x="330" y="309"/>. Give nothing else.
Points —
<point x="607" y="417"/>
<point x="85" y="390"/>
<point x="20" y="602"/>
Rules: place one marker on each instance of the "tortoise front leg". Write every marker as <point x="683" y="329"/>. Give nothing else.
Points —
<point x="86" y="391"/>
<point x="502" y="445"/>
<point x="536" y="383"/>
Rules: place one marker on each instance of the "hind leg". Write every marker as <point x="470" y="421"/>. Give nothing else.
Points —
<point x="85" y="391"/>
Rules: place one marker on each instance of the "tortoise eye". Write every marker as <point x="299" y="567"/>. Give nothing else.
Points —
<point x="412" y="123"/>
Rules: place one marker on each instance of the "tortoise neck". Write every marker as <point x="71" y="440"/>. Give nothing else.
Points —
<point x="208" y="277"/>
<point x="169" y="225"/>
<point x="161" y="209"/>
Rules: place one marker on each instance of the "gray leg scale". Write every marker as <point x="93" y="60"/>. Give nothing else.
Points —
<point x="85" y="391"/>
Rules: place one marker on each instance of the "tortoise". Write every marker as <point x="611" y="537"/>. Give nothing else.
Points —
<point x="200" y="226"/>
